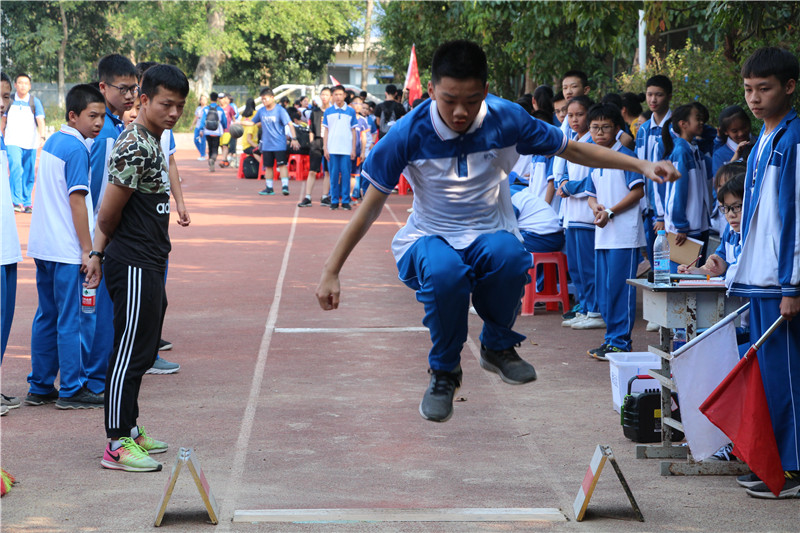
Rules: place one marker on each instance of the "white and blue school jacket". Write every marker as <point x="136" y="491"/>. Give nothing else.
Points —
<point x="769" y="266"/>
<point x="729" y="250"/>
<point x="340" y="123"/>
<point x="650" y="148"/>
<point x="686" y="202"/>
<point x="460" y="181"/>
<point x="723" y="154"/>
<point x="541" y="175"/>
<point x="63" y="169"/>
<point x="98" y="157"/>
<point x="559" y="163"/>
<point x="10" y="251"/>
<point x="534" y="215"/>
<point x="610" y="186"/>
<point x="575" y="208"/>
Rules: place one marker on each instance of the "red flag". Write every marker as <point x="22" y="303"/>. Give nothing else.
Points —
<point x="334" y="81"/>
<point x="738" y="406"/>
<point x="413" y="84"/>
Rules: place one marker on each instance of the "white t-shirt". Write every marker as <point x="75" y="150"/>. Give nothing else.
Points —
<point x="63" y="169"/>
<point x="534" y="214"/>
<point x="21" y="127"/>
<point x="10" y="251"/>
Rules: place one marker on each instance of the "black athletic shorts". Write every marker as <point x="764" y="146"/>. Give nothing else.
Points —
<point x="316" y="156"/>
<point x="269" y="158"/>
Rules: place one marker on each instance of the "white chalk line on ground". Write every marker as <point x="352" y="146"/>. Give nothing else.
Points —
<point x="378" y="329"/>
<point x="240" y="449"/>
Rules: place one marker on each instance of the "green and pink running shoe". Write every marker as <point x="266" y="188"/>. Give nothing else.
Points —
<point x="149" y="444"/>
<point x="129" y="457"/>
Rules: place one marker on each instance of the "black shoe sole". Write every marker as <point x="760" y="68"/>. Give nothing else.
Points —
<point x="167" y="347"/>
<point x="486" y="365"/>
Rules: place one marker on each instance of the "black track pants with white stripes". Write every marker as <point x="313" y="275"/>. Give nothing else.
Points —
<point x="139" y="302"/>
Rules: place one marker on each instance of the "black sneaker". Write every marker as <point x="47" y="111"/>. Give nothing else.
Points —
<point x="723" y="454"/>
<point x="285" y="190"/>
<point x="334" y="207"/>
<point x="791" y="488"/>
<point x="347" y="207"/>
<point x="437" y="402"/>
<point x="508" y="365"/>
<point x="306" y="202"/>
<point x="326" y="200"/>
<point x="164" y="346"/>
<point x="601" y="353"/>
<point x="569" y="315"/>
<point x="267" y="192"/>
<point x="41" y="399"/>
<point x="748" y="480"/>
<point x="83" y="399"/>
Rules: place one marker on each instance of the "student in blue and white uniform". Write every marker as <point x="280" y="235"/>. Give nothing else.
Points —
<point x="339" y="124"/>
<point x="461" y="240"/>
<point x="614" y="197"/>
<point x="60" y="242"/>
<point x="212" y="135"/>
<point x="10" y="251"/>
<point x="24" y="133"/>
<point x="734" y="134"/>
<point x="686" y="201"/>
<point x="658" y="94"/>
<point x="769" y="266"/>
<point x="579" y="225"/>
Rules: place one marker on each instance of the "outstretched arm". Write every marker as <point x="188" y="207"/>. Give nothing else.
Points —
<point x="592" y="155"/>
<point x="328" y="290"/>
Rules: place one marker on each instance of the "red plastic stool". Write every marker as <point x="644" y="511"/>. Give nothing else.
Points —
<point x="402" y="186"/>
<point x="240" y="171"/>
<point x="550" y="291"/>
<point x="296" y="167"/>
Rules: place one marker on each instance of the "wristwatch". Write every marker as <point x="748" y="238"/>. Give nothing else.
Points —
<point x="101" y="255"/>
<point x="610" y="214"/>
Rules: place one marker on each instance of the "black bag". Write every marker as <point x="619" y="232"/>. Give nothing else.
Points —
<point x="212" y="119"/>
<point x="250" y="167"/>
<point x="388" y="119"/>
<point x="303" y="138"/>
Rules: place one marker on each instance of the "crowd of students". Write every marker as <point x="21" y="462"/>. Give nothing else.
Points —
<point x="491" y="186"/>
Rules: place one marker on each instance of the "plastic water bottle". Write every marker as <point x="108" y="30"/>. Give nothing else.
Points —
<point x="661" y="259"/>
<point x="88" y="300"/>
<point x="678" y="338"/>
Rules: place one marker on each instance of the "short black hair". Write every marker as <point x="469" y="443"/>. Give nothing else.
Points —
<point x="612" y="98"/>
<point x="80" y="96"/>
<point x="339" y="88"/>
<point x="734" y="184"/>
<point x="325" y="89"/>
<point x="633" y="103"/>
<point x="460" y="60"/>
<point x="22" y="75"/>
<point x="114" y="66"/>
<point x="142" y="67"/>
<point x="703" y="110"/>
<point x="659" y="80"/>
<point x="605" y="111"/>
<point x="581" y="99"/>
<point x="559" y="96"/>
<point x="4" y="77"/>
<point x="727" y="173"/>
<point x="213" y="96"/>
<point x="729" y="114"/>
<point x="772" y="61"/>
<point x="390" y="89"/>
<point x="266" y="91"/>
<point x="168" y="77"/>
<point x="293" y="113"/>
<point x="576" y="74"/>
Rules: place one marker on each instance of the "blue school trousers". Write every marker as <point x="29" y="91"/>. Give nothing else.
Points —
<point x="8" y="299"/>
<point x="56" y="332"/>
<point x="617" y="299"/>
<point x="494" y="269"/>
<point x="21" y="165"/>
<point x="779" y="361"/>
<point x="580" y="263"/>
<point x="100" y="343"/>
<point x="340" y="178"/>
<point x="200" y="141"/>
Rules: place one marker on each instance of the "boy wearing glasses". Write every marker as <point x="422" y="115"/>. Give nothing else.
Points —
<point x="117" y="77"/>
<point x="614" y="197"/>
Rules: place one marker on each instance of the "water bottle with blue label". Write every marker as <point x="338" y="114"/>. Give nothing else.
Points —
<point x="661" y="259"/>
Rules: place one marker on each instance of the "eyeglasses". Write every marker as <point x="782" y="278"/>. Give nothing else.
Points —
<point x="735" y="208"/>
<point x="133" y="89"/>
<point x="604" y="128"/>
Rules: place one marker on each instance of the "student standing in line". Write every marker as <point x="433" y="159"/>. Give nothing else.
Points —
<point x="339" y="143"/>
<point x="24" y="133"/>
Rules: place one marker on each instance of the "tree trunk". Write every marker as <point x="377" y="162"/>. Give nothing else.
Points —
<point x="529" y="87"/>
<point x="61" y="55"/>
<point x="209" y="63"/>
<point x="365" y="56"/>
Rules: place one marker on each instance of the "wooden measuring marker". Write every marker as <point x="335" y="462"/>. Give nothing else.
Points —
<point x="186" y="456"/>
<point x="601" y="454"/>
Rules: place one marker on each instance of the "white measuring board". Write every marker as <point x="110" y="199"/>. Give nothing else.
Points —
<point x="401" y="515"/>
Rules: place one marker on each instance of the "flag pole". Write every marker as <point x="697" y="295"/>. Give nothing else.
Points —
<point x="710" y="330"/>
<point x="767" y="333"/>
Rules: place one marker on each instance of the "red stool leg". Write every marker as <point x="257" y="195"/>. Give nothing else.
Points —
<point x="529" y="297"/>
<point x="550" y="285"/>
<point x="240" y="170"/>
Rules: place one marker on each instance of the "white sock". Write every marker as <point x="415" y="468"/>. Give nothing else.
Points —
<point x="115" y="445"/>
<point x="135" y="432"/>
<point x="270" y="183"/>
<point x="285" y="182"/>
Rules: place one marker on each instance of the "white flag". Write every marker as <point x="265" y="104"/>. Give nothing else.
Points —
<point x="697" y="369"/>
